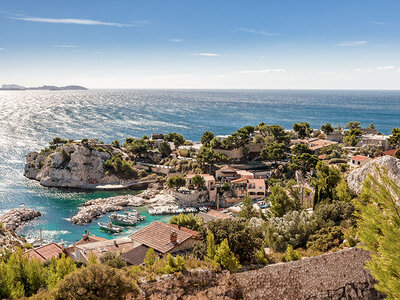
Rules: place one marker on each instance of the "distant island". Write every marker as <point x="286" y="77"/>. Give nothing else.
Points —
<point x="15" y="87"/>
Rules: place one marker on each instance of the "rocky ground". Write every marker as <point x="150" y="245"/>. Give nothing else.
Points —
<point x="96" y="208"/>
<point x="357" y="176"/>
<point x="11" y="221"/>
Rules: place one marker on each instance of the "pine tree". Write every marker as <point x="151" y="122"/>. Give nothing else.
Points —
<point x="225" y="257"/>
<point x="378" y="212"/>
<point x="150" y="258"/>
<point x="211" y="249"/>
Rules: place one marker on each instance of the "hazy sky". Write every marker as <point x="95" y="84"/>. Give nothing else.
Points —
<point x="323" y="44"/>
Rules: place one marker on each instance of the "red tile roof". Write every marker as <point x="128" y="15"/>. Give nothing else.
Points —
<point x="359" y="157"/>
<point x="239" y="180"/>
<point x="390" y="152"/>
<point x="190" y="231"/>
<point x="217" y="214"/>
<point x="89" y="239"/>
<point x="45" y="252"/>
<point x="157" y="235"/>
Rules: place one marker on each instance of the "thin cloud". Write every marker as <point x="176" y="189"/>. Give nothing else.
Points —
<point x="175" y="40"/>
<point x="352" y="43"/>
<point x="263" y="71"/>
<point x="77" y="21"/>
<point x="206" y="54"/>
<point x="378" y="23"/>
<point x="2" y="49"/>
<point x="385" y="68"/>
<point x="66" y="46"/>
<point x="259" y="32"/>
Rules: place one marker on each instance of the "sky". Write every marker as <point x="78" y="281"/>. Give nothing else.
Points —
<point x="235" y="44"/>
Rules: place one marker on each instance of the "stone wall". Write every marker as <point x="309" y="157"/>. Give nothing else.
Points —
<point x="193" y="198"/>
<point x="339" y="275"/>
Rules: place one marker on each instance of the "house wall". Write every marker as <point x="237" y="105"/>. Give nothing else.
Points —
<point x="155" y="168"/>
<point x="190" y="199"/>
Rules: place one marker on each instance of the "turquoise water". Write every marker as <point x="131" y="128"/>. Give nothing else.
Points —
<point x="30" y="119"/>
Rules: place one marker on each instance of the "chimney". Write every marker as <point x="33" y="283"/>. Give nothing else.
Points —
<point x="174" y="237"/>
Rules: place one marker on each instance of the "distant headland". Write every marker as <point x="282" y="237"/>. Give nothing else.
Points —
<point x="15" y="87"/>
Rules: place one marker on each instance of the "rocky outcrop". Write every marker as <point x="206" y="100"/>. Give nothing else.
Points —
<point x="10" y="221"/>
<point x="16" y="217"/>
<point x="357" y="176"/>
<point x="72" y="165"/>
<point x="96" y="208"/>
<point x="339" y="275"/>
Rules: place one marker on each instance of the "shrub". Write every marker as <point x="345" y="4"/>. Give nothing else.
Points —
<point x="94" y="282"/>
<point x="174" y="265"/>
<point x="115" y="144"/>
<point x="291" y="254"/>
<point x="1" y="226"/>
<point x="28" y="246"/>
<point x="150" y="258"/>
<point x="325" y="239"/>
<point x="112" y="259"/>
<point x="261" y="257"/>
<point x="225" y="257"/>
<point x="120" y="167"/>
<point x="175" y="182"/>
<point x="187" y="220"/>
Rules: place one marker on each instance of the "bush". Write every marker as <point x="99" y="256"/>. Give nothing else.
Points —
<point x="1" y="226"/>
<point x="225" y="257"/>
<point x="112" y="259"/>
<point x="120" y="167"/>
<point x="174" y="265"/>
<point x="175" y="182"/>
<point x="291" y="254"/>
<point x="28" y="246"/>
<point x="94" y="282"/>
<point x="325" y="239"/>
<point x="187" y="220"/>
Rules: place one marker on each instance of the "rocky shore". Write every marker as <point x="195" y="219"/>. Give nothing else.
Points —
<point x="96" y="208"/>
<point x="11" y="221"/>
<point x="16" y="217"/>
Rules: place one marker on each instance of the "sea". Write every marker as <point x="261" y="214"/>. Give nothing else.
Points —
<point x="30" y="119"/>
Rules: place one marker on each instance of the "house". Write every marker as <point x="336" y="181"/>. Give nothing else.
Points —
<point x="335" y="136"/>
<point x="315" y="144"/>
<point x="256" y="188"/>
<point x="81" y="251"/>
<point x="245" y="174"/>
<point x="165" y="238"/>
<point x="239" y="187"/>
<point x="135" y="256"/>
<point x="87" y="238"/>
<point x="377" y="140"/>
<point x="226" y="174"/>
<point x="45" y="252"/>
<point x="157" y="136"/>
<point x="359" y="160"/>
<point x="392" y="152"/>
<point x="372" y="131"/>
<point x="212" y="215"/>
<point x="209" y="184"/>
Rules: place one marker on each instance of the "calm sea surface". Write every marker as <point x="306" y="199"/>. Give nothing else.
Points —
<point x="30" y="119"/>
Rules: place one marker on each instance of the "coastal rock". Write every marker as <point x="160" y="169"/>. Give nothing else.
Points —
<point x="11" y="220"/>
<point x="16" y="217"/>
<point x="72" y="165"/>
<point x="357" y="176"/>
<point x="96" y="208"/>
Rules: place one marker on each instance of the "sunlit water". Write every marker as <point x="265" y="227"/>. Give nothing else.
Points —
<point x="30" y="119"/>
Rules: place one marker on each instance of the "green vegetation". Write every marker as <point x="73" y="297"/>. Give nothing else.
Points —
<point x="247" y="211"/>
<point x="176" y="138"/>
<point x="119" y="166"/>
<point x="165" y="149"/>
<point x="207" y="138"/>
<point x="281" y="202"/>
<point x="378" y="225"/>
<point x="302" y="129"/>
<point x="351" y="137"/>
<point x="198" y="181"/>
<point x="291" y="254"/>
<point x="175" y="182"/>
<point x="116" y="144"/>
<point x="273" y="152"/>
<point x="327" y="128"/>
<point x="394" y="140"/>
<point x="138" y="147"/>
<point x="187" y="220"/>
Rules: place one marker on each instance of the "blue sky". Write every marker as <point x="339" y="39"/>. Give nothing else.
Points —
<point x="324" y="44"/>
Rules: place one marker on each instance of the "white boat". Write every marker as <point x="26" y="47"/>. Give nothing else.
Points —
<point x="110" y="227"/>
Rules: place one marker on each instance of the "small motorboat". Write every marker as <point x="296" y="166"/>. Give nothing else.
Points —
<point x="123" y="219"/>
<point x="110" y="227"/>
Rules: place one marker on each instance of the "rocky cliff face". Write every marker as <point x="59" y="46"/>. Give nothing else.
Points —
<point x="72" y="165"/>
<point x="357" y="176"/>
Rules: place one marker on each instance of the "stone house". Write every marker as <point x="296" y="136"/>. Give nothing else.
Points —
<point x="256" y="188"/>
<point x="379" y="141"/>
<point x="209" y="184"/>
<point x="359" y="160"/>
<point x="45" y="252"/>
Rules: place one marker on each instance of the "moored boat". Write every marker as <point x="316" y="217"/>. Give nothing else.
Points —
<point x="110" y="227"/>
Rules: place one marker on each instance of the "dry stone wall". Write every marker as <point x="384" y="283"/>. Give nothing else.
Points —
<point x="340" y="275"/>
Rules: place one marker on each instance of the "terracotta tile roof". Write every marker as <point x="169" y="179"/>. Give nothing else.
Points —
<point x="89" y="239"/>
<point x="227" y="169"/>
<point x="217" y="214"/>
<point x="390" y="152"/>
<point x="45" y="252"/>
<point x="205" y="176"/>
<point x="190" y="231"/>
<point x="359" y="157"/>
<point x="157" y="235"/>
<point x="239" y="180"/>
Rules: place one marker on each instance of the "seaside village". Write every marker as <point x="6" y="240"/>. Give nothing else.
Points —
<point x="255" y="174"/>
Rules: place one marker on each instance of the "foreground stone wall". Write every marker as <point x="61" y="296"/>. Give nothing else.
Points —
<point x="339" y="275"/>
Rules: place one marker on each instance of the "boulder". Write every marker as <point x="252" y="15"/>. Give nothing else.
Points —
<point x="357" y="176"/>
